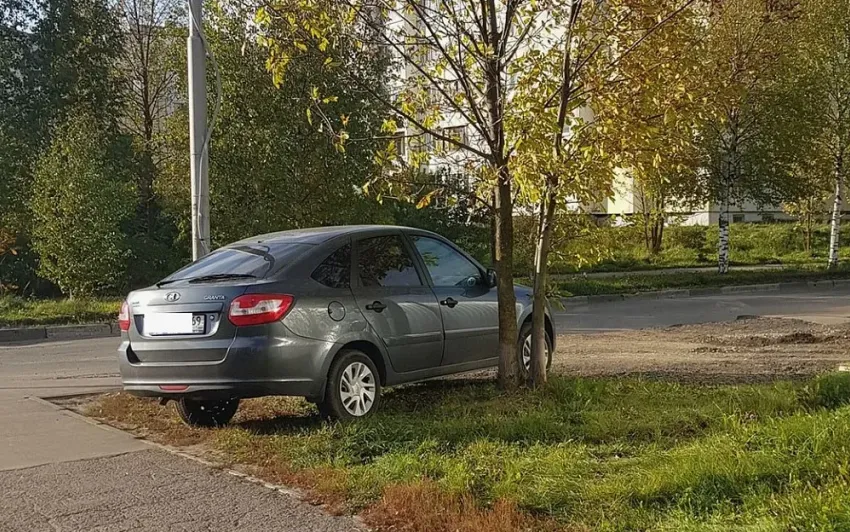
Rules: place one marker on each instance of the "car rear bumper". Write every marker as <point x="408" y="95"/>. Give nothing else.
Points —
<point x="255" y="365"/>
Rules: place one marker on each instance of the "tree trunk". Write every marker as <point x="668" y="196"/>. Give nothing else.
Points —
<point x="509" y="375"/>
<point x="809" y="224"/>
<point x="835" y="223"/>
<point x="537" y="374"/>
<point x="723" y="240"/>
<point x="657" y="233"/>
<point x="493" y="230"/>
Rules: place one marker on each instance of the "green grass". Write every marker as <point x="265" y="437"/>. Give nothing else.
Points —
<point x="621" y="249"/>
<point x="15" y="311"/>
<point x="632" y="283"/>
<point x="588" y="454"/>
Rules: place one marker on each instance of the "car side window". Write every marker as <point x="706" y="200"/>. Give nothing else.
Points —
<point x="446" y="266"/>
<point x="335" y="271"/>
<point x="383" y="261"/>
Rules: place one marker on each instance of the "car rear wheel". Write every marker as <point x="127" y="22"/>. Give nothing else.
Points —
<point x="207" y="413"/>
<point x="353" y="390"/>
<point x="524" y="350"/>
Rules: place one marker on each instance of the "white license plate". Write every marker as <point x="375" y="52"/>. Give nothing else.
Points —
<point x="165" y="323"/>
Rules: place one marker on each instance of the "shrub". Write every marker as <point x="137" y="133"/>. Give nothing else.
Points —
<point x="691" y="237"/>
<point x="81" y="198"/>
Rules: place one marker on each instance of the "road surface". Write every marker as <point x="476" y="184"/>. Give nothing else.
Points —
<point x="827" y="307"/>
<point x="60" y="473"/>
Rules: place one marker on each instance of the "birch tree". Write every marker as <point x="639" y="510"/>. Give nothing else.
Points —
<point x="824" y="40"/>
<point x="746" y="143"/>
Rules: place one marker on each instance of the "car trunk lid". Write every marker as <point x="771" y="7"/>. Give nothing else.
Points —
<point x="182" y="322"/>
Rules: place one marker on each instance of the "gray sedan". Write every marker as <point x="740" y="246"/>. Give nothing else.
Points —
<point x="332" y="314"/>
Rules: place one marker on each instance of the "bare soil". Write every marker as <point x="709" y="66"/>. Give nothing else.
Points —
<point x="745" y="350"/>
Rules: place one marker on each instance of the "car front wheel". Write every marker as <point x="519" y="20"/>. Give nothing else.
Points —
<point x="207" y="413"/>
<point x="524" y="350"/>
<point x="353" y="390"/>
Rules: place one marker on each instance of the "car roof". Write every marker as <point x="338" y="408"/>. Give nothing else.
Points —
<point x="318" y="235"/>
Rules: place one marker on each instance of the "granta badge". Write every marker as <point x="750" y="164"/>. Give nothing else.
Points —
<point x="215" y="298"/>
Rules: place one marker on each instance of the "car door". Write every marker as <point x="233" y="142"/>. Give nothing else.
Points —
<point x="469" y="307"/>
<point x="391" y="293"/>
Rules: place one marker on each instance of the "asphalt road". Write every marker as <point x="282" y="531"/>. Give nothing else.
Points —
<point x="60" y="473"/>
<point x="827" y="307"/>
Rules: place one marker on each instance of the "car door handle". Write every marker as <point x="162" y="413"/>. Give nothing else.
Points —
<point x="449" y="302"/>
<point x="377" y="306"/>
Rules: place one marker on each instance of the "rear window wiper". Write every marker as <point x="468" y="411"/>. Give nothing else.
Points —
<point x="221" y="276"/>
<point x="208" y="278"/>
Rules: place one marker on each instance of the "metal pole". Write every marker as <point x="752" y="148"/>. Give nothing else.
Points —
<point x="197" y="134"/>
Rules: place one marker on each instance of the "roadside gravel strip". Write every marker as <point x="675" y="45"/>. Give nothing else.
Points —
<point x="149" y="491"/>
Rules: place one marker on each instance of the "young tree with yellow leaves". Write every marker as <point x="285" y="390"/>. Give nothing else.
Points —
<point x="519" y="75"/>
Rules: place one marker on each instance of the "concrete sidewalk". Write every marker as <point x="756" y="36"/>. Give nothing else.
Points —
<point x="149" y="491"/>
<point x="60" y="472"/>
<point x="36" y="434"/>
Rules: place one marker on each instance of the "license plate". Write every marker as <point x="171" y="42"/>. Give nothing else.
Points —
<point x="170" y="323"/>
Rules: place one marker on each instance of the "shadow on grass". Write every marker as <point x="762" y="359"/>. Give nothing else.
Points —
<point x="285" y="424"/>
<point x="398" y="401"/>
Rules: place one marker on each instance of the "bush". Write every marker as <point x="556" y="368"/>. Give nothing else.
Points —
<point x="16" y="311"/>
<point x="691" y="237"/>
<point x="82" y="196"/>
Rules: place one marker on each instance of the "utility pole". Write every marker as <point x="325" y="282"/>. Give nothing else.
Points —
<point x="198" y="133"/>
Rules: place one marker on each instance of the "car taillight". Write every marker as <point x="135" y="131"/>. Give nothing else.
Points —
<point x="257" y="309"/>
<point x="124" y="317"/>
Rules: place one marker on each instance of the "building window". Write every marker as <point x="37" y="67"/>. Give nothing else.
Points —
<point x="457" y="133"/>
<point x="737" y="218"/>
<point x="400" y="141"/>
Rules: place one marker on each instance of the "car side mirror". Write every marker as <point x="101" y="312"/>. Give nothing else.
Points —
<point x="491" y="278"/>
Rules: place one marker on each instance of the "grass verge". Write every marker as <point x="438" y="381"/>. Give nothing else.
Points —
<point x="15" y="311"/>
<point x="582" y="454"/>
<point x="632" y="283"/>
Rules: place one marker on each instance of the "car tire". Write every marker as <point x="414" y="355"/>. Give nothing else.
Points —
<point x="207" y="413"/>
<point x="524" y="347"/>
<point x="353" y="390"/>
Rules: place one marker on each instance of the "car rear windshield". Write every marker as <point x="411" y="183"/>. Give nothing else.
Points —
<point x="258" y="260"/>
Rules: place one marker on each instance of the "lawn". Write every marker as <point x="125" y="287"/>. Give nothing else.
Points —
<point x="619" y="249"/>
<point x="583" y="454"/>
<point x="15" y="311"/>
<point x="580" y="285"/>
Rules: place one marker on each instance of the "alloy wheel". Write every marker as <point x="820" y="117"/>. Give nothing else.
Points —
<point x="357" y="389"/>
<point x="526" y="353"/>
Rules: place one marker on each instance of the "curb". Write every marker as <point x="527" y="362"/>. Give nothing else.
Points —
<point x="790" y="287"/>
<point x="58" y="332"/>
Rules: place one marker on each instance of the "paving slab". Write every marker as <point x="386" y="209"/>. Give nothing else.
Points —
<point x="36" y="434"/>
<point x="150" y="491"/>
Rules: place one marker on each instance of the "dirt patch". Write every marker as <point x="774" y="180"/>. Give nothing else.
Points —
<point x="752" y="349"/>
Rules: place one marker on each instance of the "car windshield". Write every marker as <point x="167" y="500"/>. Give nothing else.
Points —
<point x="250" y="260"/>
